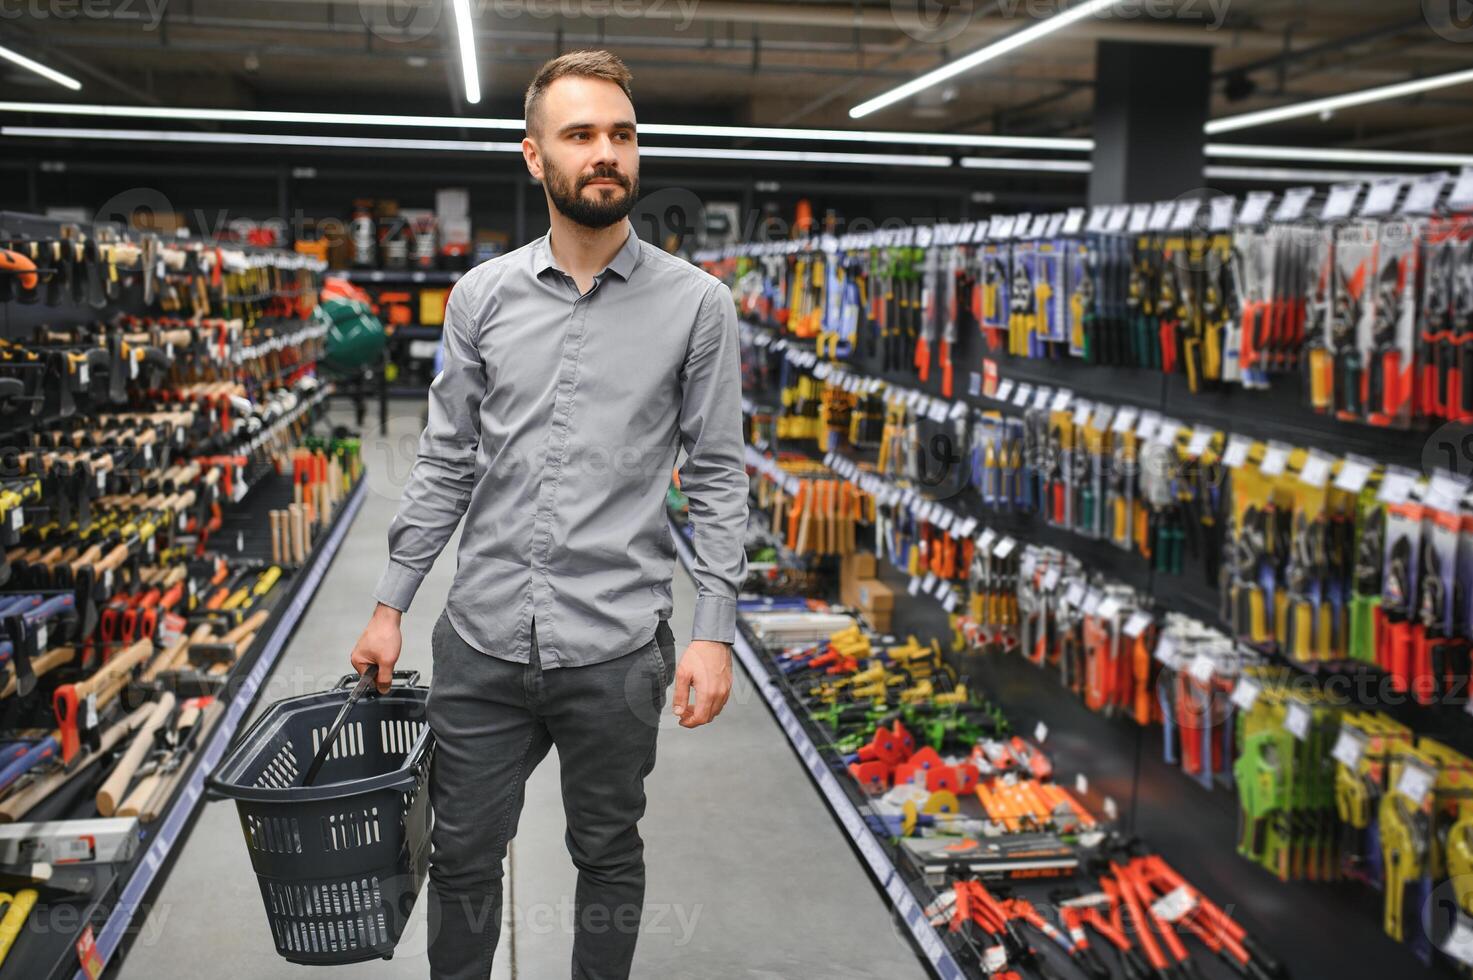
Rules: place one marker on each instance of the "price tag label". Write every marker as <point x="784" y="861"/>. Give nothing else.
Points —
<point x="1352" y="476"/>
<point x="1174" y="905"/>
<point x="1382" y="197"/>
<point x="1160" y="215"/>
<point x="1255" y="207"/>
<point x="1023" y="395"/>
<point x="1109" y="608"/>
<point x="1297" y="721"/>
<point x="1112" y="812"/>
<point x="1137" y="624"/>
<point x="1055" y="224"/>
<point x="1203" y="668"/>
<point x="17" y="518"/>
<point x="1339" y="201"/>
<point x="1165" y="651"/>
<point x="948" y="602"/>
<point x="1041" y="398"/>
<point x="1004" y="548"/>
<point x="1425" y="190"/>
<point x="41" y="637"/>
<point x="1201" y="438"/>
<point x="1349" y="748"/>
<point x="1415" y="782"/>
<point x="1097" y="217"/>
<point x="914" y="586"/>
<point x="1236" y="453"/>
<point x="101" y="481"/>
<point x="1316" y="470"/>
<point x="958" y="409"/>
<point x="1081" y="785"/>
<point x="1082" y="412"/>
<point x="1140" y="217"/>
<point x="1291" y="207"/>
<point x="1061" y="400"/>
<point x="1073" y="221"/>
<point x="1091" y="602"/>
<point x="1274" y="459"/>
<point x="1396" y="486"/>
<point x="1245" y="694"/>
<point x="940" y="410"/>
<point x="84" y="374"/>
<point x="1185" y="213"/>
<point x="1220" y="214"/>
<point x="1074" y="595"/>
<point x="1166" y="434"/>
<point x="1040" y="733"/>
<point x="1051" y="578"/>
<point x="1145" y="430"/>
<point x="1119" y="215"/>
<point x="928" y="584"/>
<point x="1460" y="198"/>
<point x="1124" y="420"/>
<point x="1004" y="390"/>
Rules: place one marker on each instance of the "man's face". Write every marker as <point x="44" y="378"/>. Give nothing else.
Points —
<point x="586" y="154"/>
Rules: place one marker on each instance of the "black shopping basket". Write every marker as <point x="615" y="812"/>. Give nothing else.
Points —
<point x="340" y="858"/>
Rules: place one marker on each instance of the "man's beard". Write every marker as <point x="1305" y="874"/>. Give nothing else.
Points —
<point x="567" y="196"/>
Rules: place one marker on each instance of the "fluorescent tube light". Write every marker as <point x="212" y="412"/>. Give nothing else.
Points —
<point x="50" y="74"/>
<point x="1051" y="166"/>
<point x="1331" y="103"/>
<point x="981" y="56"/>
<point x="467" y="33"/>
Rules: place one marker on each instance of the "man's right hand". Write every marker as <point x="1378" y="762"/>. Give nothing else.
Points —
<point x="379" y="646"/>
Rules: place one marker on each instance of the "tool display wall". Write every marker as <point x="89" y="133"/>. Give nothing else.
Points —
<point x="1193" y="513"/>
<point x="167" y="513"/>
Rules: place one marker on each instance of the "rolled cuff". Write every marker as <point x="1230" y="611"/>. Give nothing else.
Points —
<point x="397" y="586"/>
<point x="714" y="619"/>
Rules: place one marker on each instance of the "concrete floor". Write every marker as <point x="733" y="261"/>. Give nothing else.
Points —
<point x="749" y="878"/>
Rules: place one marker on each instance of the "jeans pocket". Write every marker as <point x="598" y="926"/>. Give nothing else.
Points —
<point x="665" y="651"/>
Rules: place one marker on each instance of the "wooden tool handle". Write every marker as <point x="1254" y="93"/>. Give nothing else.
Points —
<point x="17" y="805"/>
<point x="170" y="781"/>
<point x="118" y="666"/>
<point x="250" y="624"/>
<point x="43" y="664"/>
<point x="109" y="795"/>
<point x="113" y="559"/>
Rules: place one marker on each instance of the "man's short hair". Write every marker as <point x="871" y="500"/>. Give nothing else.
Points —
<point x="585" y="64"/>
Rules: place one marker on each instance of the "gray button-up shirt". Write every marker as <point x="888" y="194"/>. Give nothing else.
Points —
<point x="555" y="424"/>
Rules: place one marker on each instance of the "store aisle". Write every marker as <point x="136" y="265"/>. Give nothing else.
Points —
<point x="748" y="876"/>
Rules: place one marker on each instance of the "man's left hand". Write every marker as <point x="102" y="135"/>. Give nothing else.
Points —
<point x="706" y="667"/>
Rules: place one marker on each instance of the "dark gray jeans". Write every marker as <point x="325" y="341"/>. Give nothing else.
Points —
<point x="494" y="720"/>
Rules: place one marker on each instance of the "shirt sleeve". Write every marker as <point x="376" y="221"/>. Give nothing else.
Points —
<point x="444" y="471"/>
<point x="714" y="477"/>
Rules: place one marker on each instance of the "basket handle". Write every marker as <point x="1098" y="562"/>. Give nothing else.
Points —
<point x="409" y="678"/>
<point x="365" y="684"/>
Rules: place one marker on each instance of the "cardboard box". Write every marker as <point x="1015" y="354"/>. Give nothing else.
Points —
<point x="874" y="599"/>
<point x="860" y="564"/>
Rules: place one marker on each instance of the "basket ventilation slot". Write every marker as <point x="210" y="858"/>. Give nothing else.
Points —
<point x="281" y="772"/>
<point x="328" y="918"/>
<point x="348" y="743"/>
<point x="355" y="828"/>
<point x="275" y="835"/>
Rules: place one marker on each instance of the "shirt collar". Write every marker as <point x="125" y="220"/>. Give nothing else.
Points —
<point x="622" y="264"/>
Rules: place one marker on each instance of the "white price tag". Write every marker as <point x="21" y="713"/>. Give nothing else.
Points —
<point x="1023" y="395"/>
<point x="1124" y="420"/>
<point x="1203" y="668"/>
<point x="1201" y="438"/>
<point x="928" y="584"/>
<point x="1051" y="578"/>
<point x="1074" y="595"/>
<point x="1297" y="721"/>
<point x="1140" y="216"/>
<point x="1396" y="486"/>
<point x="948" y="602"/>
<point x="1082" y="412"/>
<point x="1255" y="207"/>
<point x="1040" y="733"/>
<point x="1349" y="748"/>
<point x="1422" y="198"/>
<point x="1165" y="650"/>
<point x="84" y="374"/>
<point x="1166" y="434"/>
<point x="1236" y="453"/>
<point x="1061" y="400"/>
<point x="1291" y="207"/>
<point x="1091" y="602"/>
<point x="1004" y="390"/>
<point x="914" y="586"/>
<point x="1119" y="215"/>
<point x="1004" y="548"/>
<point x="1112" y="812"/>
<point x="1352" y="476"/>
<point x="1274" y="459"/>
<point x="1415" y="782"/>
<point x="1073" y="221"/>
<point x="1081" y="785"/>
<point x="1221" y="214"/>
<point x="958" y="409"/>
<point x="1041" y="398"/>
<point x="41" y="637"/>
<point x="1136" y="624"/>
<point x="1186" y="211"/>
<point x="17" y="518"/>
<point x="1108" y="608"/>
<point x="1174" y="905"/>
<point x="940" y="410"/>
<point x="1339" y="201"/>
<point x="1316" y="470"/>
<point x="1460" y="198"/>
<point x="1160" y="215"/>
<point x="1145" y="429"/>
<point x="1382" y="197"/>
